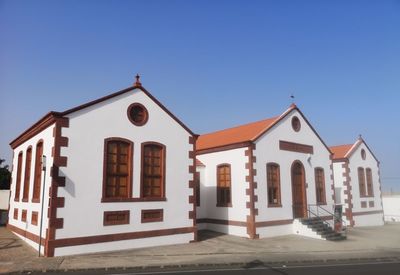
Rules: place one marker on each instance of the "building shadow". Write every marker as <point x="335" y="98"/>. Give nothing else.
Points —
<point x="7" y="243"/>
<point x="205" y="234"/>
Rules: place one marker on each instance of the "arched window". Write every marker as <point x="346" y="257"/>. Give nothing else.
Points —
<point x="18" y="182"/>
<point x="361" y="181"/>
<point x="273" y="184"/>
<point x="153" y="170"/>
<point x="320" y="185"/>
<point x="27" y="178"/>
<point x="117" y="182"/>
<point x="224" y="185"/>
<point x="38" y="172"/>
<point x="370" y="186"/>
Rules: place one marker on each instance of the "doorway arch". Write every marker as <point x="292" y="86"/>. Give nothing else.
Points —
<point x="299" y="196"/>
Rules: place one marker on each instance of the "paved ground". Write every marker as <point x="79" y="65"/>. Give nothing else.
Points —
<point x="213" y="249"/>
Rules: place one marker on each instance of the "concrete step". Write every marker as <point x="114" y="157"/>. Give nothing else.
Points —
<point x="322" y="229"/>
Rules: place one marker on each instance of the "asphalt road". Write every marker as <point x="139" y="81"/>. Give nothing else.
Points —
<point x="379" y="268"/>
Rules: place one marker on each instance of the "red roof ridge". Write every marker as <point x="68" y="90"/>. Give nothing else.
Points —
<point x="277" y="119"/>
<point x="341" y="145"/>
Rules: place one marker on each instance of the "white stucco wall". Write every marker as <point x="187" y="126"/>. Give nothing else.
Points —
<point x="83" y="211"/>
<point x="391" y="208"/>
<point x="339" y="179"/>
<point x="356" y="161"/>
<point x="48" y="142"/>
<point x="267" y="150"/>
<point x="238" y="211"/>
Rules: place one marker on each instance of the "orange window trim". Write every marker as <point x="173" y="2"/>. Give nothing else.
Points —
<point x="19" y="175"/>
<point x="370" y="187"/>
<point x="361" y="181"/>
<point x="224" y="190"/>
<point x="153" y="167"/>
<point x="320" y="185"/>
<point x="273" y="185"/>
<point x="38" y="172"/>
<point x="27" y="178"/>
<point x="112" y="166"/>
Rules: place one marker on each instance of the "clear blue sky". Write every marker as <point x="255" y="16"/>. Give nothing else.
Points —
<point x="215" y="64"/>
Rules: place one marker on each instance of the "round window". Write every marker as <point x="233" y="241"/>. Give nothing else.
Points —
<point x="296" y="123"/>
<point x="138" y="114"/>
<point x="363" y="154"/>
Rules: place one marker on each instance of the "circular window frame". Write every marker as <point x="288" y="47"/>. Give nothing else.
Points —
<point x="131" y="119"/>
<point x="296" y="124"/>
<point x="363" y="154"/>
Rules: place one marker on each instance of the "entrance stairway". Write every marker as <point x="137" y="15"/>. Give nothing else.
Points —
<point x="320" y="227"/>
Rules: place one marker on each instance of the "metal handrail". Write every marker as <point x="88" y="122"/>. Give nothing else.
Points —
<point x="318" y="217"/>
<point x="334" y="216"/>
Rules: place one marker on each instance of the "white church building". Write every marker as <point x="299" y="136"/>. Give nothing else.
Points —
<point x="257" y="179"/>
<point x="120" y="174"/>
<point x="123" y="172"/>
<point x="357" y="183"/>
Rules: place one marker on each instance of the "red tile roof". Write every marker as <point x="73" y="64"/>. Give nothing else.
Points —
<point x="234" y="135"/>
<point x="340" y="151"/>
<point x="347" y="150"/>
<point x="240" y="136"/>
<point x="199" y="163"/>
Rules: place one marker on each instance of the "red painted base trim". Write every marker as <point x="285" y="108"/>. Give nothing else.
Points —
<point x="367" y="213"/>
<point x="274" y="223"/>
<point x="223" y="222"/>
<point x="119" y="237"/>
<point x="26" y="234"/>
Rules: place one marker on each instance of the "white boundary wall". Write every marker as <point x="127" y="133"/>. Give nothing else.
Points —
<point x="391" y="208"/>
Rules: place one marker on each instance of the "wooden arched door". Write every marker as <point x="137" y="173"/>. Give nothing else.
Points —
<point x="299" y="190"/>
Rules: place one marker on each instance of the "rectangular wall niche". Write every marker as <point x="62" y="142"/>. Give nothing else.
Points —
<point x="153" y="215"/>
<point x="116" y="217"/>
<point x="34" y="217"/>
<point x="24" y="214"/>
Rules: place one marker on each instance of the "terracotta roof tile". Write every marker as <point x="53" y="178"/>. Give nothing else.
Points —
<point x="234" y="135"/>
<point x="241" y="135"/>
<point x="199" y="163"/>
<point x="340" y="151"/>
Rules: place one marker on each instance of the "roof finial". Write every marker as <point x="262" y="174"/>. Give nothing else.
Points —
<point x="137" y="83"/>
<point x="293" y="105"/>
<point x="359" y="137"/>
